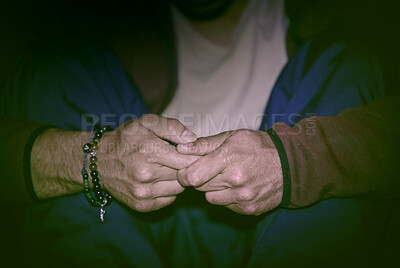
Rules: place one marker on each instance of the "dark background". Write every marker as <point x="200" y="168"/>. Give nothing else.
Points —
<point x="372" y="22"/>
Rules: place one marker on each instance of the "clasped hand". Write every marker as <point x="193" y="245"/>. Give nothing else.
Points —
<point x="238" y="169"/>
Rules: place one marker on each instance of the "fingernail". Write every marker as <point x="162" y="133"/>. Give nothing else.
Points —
<point x="188" y="136"/>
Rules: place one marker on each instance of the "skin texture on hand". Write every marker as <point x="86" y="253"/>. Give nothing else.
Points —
<point x="140" y="166"/>
<point x="240" y="170"/>
<point x="135" y="162"/>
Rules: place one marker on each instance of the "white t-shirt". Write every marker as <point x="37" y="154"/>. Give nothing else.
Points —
<point x="226" y="88"/>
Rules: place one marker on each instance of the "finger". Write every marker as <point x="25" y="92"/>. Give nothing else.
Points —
<point x="169" y="157"/>
<point x="220" y="198"/>
<point x="162" y="173"/>
<point x="204" y="145"/>
<point x="218" y="183"/>
<point x="167" y="128"/>
<point x="163" y="202"/>
<point x="203" y="170"/>
<point x="236" y="208"/>
<point x="153" y="204"/>
<point x="245" y="209"/>
<point x="156" y="190"/>
<point x="153" y="174"/>
<point x="167" y="188"/>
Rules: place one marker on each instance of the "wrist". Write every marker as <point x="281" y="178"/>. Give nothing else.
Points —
<point x="287" y="184"/>
<point x="97" y="196"/>
<point x="108" y="158"/>
<point x="56" y="160"/>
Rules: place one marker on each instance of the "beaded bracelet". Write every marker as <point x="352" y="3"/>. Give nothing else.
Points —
<point x="99" y="197"/>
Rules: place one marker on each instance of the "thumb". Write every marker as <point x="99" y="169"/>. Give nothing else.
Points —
<point x="204" y="145"/>
<point x="167" y="128"/>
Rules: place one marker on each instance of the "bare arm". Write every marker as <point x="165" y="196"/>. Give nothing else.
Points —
<point x="56" y="162"/>
<point x="135" y="163"/>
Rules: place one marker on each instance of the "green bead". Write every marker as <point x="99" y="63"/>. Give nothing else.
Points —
<point x="93" y="159"/>
<point x="98" y="135"/>
<point x="94" y="147"/>
<point x="87" y="148"/>
<point x="106" y="128"/>
<point x="93" y="166"/>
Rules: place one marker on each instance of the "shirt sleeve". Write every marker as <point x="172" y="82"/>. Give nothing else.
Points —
<point x="16" y="141"/>
<point x="353" y="154"/>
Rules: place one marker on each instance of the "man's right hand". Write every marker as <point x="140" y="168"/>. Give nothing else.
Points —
<point x="139" y="167"/>
<point x="135" y="162"/>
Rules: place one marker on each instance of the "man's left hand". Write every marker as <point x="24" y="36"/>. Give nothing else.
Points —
<point x="240" y="170"/>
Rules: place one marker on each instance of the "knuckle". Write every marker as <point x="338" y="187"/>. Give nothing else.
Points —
<point x="194" y="180"/>
<point x="173" y="122"/>
<point x="128" y="129"/>
<point x="152" y="159"/>
<point x="143" y="117"/>
<point x="244" y="132"/>
<point x="149" y="120"/>
<point x="187" y="178"/>
<point x="245" y="195"/>
<point x="148" y="117"/>
<point x="183" y="177"/>
<point x="142" y="193"/>
<point x="173" y="126"/>
<point x="238" y="179"/>
<point x="143" y="174"/>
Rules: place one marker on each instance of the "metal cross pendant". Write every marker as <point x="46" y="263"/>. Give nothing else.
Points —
<point x="102" y="212"/>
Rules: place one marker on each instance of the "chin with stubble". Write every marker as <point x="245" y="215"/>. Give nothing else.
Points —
<point x="199" y="10"/>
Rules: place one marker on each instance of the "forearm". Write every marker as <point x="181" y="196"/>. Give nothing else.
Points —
<point x="56" y="162"/>
<point x="39" y="161"/>
<point x="352" y="154"/>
